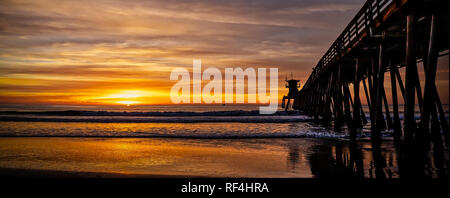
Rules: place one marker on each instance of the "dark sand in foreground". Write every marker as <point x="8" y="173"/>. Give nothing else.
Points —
<point x="34" y="173"/>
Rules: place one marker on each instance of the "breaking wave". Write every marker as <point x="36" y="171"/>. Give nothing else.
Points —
<point x="152" y="117"/>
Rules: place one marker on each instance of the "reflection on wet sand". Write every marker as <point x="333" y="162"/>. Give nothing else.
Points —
<point x="366" y="160"/>
<point x="266" y="157"/>
<point x="352" y="160"/>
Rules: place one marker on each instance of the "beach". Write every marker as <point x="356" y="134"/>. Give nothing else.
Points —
<point x="180" y="157"/>
<point x="185" y="141"/>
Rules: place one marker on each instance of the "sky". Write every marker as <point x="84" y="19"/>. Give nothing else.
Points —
<point x="122" y="51"/>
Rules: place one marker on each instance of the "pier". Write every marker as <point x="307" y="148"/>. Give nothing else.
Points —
<point x="384" y="36"/>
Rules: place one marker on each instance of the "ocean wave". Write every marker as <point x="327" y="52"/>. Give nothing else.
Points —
<point x="149" y="113"/>
<point x="159" y="119"/>
<point x="324" y="135"/>
<point x="212" y="130"/>
<point x="152" y="117"/>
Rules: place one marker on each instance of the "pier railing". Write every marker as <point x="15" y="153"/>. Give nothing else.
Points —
<point x="360" y="26"/>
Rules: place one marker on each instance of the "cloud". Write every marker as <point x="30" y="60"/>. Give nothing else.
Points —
<point x="102" y="45"/>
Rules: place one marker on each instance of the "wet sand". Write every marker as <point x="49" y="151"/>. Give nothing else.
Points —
<point x="35" y="173"/>
<point x="177" y="157"/>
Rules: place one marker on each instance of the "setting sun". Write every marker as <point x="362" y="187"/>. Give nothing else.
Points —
<point x="119" y="97"/>
<point x="123" y="97"/>
<point x="127" y="102"/>
<point x="127" y="94"/>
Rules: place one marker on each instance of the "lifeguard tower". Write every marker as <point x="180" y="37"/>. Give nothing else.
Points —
<point x="293" y="86"/>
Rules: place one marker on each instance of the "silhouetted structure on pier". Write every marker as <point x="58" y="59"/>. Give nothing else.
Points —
<point x="293" y="86"/>
<point x="384" y="36"/>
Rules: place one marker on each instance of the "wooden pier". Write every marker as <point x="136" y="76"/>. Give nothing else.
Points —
<point x="384" y="36"/>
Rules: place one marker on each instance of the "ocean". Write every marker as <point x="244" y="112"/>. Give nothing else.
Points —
<point x="182" y="140"/>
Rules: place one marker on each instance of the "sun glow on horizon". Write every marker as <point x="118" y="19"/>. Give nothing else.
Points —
<point x="122" y="52"/>
<point x="128" y="102"/>
<point x="127" y="94"/>
<point x="133" y="94"/>
<point x="124" y="97"/>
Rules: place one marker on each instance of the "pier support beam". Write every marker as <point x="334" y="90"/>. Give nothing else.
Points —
<point x="378" y="95"/>
<point x="338" y="101"/>
<point x="410" y="80"/>
<point x="396" y="121"/>
<point x="356" y="102"/>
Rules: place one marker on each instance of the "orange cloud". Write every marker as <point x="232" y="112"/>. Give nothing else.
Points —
<point x="91" y="52"/>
